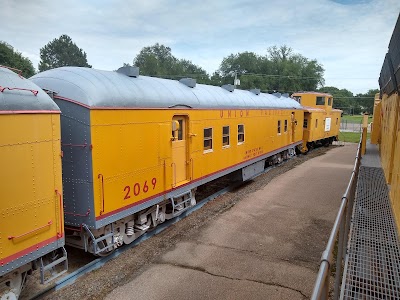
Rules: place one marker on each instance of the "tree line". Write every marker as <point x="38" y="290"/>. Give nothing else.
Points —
<point x="280" y="69"/>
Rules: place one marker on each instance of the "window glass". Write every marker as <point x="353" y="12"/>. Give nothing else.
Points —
<point x="285" y="125"/>
<point x="240" y="133"/>
<point x="297" y="98"/>
<point x="279" y="126"/>
<point x="180" y="130"/>
<point x="330" y="101"/>
<point x="316" y="123"/>
<point x="337" y="120"/>
<point x="207" y="138"/>
<point x="305" y="124"/>
<point x="320" y="100"/>
<point x="225" y="136"/>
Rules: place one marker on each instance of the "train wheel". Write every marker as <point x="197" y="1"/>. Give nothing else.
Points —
<point x="11" y="285"/>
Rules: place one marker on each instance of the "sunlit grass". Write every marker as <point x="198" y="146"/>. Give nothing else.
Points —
<point x="355" y="118"/>
<point x="351" y="137"/>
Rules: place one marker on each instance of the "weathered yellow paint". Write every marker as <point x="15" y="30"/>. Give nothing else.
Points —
<point x="386" y="128"/>
<point x="390" y="108"/>
<point x="134" y="152"/>
<point x="30" y="160"/>
<point x="376" y="121"/>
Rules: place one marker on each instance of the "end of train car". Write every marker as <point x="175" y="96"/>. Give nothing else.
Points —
<point x="32" y="230"/>
<point x="321" y="121"/>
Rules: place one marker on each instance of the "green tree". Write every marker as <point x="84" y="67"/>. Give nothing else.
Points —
<point x="11" y="58"/>
<point x="279" y="70"/>
<point x="157" y="60"/>
<point x="342" y="99"/>
<point x="366" y="101"/>
<point x="62" y="52"/>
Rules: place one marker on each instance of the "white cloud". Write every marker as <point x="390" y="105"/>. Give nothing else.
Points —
<point x="349" y="40"/>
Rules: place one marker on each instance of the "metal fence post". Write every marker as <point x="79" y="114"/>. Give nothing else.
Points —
<point x="341" y="250"/>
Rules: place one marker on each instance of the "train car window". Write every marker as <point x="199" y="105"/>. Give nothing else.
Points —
<point x="180" y="130"/>
<point x="279" y="126"/>
<point x="285" y="125"/>
<point x="305" y="124"/>
<point x="207" y="138"/>
<point x="225" y="136"/>
<point x="240" y="133"/>
<point x="316" y="123"/>
<point x="330" y="101"/>
<point x="320" y="100"/>
<point x="337" y="120"/>
<point x="297" y="98"/>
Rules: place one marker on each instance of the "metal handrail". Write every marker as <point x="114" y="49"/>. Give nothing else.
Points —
<point x="341" y="226"/>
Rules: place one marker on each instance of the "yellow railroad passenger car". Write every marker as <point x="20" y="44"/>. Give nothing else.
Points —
<point x="136" y="147"/>
<point x="321" y="121"/>
<point x="31" y="222"/>
<point x="386" y="124"/>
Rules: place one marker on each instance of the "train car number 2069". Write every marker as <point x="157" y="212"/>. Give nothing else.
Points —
<point x="136" y="189"/>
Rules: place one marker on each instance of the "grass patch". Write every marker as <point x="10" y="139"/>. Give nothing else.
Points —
<point x="351" y="137"/>
<point x="355" y="118"/>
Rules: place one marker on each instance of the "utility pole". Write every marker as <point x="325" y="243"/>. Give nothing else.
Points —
<point x="236" y="81"/>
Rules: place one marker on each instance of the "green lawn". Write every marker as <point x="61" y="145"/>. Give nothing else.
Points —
<point x="355" y="118"/>
<point x="351" y="137"/>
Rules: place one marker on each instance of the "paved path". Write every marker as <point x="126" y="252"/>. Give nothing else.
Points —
<point x="267" y="246"/>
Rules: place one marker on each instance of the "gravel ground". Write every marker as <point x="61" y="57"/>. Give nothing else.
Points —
<point x="131" y="263"/>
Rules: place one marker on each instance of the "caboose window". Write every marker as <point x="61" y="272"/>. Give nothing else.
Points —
<point x="316" y="123"/>
<point x="337" y="120"/>
<point x="330" y="101"/>
<point x="240" y="133"/>
<point x="279" y="126"/>
<point x="305" y="123"/>
<point x="207" y="139"/>
<point x="320" y="100"/>
<point x="225" y="136"/>
<point x="285" y="125"/>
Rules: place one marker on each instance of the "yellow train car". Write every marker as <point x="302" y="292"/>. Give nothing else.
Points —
<point x="386" y="120"/>
<point x="31" y="222"/>
<point x="376" y="121"/>
<point x="136" y="147"/>
<point x="321" y="121"/>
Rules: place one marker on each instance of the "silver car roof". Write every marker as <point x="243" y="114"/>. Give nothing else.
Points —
<point x="20" y="94"/>
<point x="96" y="88"/>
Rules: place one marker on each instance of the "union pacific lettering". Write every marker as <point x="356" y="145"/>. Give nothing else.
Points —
<point x="234" y="113"/>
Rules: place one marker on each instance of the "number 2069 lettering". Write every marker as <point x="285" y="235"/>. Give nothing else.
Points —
<point x="137" y="188"/>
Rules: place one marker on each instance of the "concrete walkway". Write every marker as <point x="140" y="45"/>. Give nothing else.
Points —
<point x="268" y="246"/>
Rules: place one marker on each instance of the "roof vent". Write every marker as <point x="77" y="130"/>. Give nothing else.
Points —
<point x="277" y="95"/>
<point x="286" y="95"/>
<point x="255" y="91"/>
<point x="190" y="82"/>
<point x="228" y="87"/>
<point x="129" y="71"/>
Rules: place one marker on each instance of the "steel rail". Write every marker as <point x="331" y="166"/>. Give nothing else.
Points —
<point x="99" y="262"/>
<point x="341" y="226"/>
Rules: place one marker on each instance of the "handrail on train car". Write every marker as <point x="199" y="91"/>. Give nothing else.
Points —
<point x="341" y="226"/>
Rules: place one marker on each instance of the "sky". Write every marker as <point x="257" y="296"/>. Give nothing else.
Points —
<point x="348" y="37"/>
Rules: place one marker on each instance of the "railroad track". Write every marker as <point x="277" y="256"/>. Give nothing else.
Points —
<point x="101" y="261"/>
<point x="97" y="263"/>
